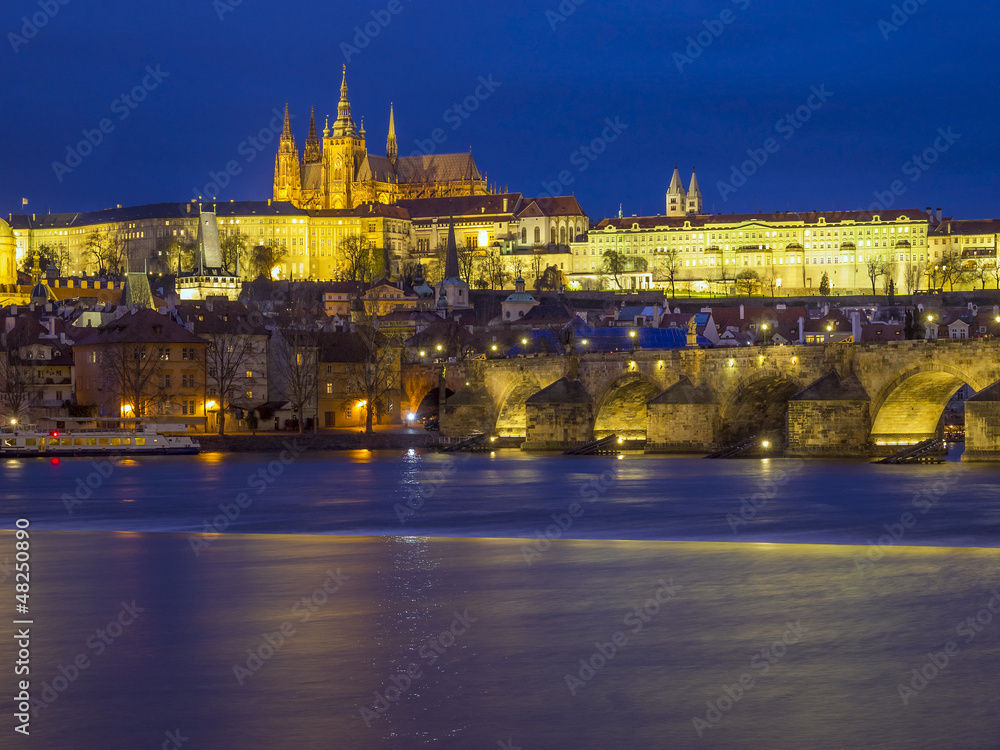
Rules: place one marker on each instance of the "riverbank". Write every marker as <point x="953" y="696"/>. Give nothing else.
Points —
<point x="308" y="441"/>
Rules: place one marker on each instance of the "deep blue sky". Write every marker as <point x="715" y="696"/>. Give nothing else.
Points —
<point x="557" y="87"/>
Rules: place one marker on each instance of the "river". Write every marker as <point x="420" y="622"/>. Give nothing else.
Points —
<point x="410" y="599"/>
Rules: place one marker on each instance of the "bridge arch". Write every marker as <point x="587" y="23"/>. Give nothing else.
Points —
<point x="909" y="408"/>
<point x="758" y="404"/>
<point x="512" y="419"/>
<point x="621" y="409"/>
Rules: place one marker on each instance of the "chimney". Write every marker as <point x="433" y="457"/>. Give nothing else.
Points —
<point x="52" y="326"/>
<point x="802" y="330"/>
<point x="505" y="205"/>
<point x="742" y="312"/>
<point x="940" y="215"/>
<point x="856" y="325"/>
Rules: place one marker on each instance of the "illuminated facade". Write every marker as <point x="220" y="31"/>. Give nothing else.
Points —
<point x="791" y="250"/>
<point x="340" y="173"/>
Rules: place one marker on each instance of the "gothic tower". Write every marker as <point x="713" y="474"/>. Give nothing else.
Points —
<point x="391" y="147"/>
<point x="313" y="153"/>
<point x="676" y="197"/>
<point x="694" y="196"/>
<point x="343" y="150"/>
<point x="287" y="177"/>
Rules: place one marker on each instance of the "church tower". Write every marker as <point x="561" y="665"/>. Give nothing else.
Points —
<point x="287" y="177"/>
<point x="694" y="206"/>
<point x="676" y="197"/>
<point x="391" y="147"/>
<point x="313" y="153"/>
<point x="343" y="151"/>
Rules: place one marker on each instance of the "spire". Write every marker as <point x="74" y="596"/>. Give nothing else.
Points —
<point x="286" y="132"/>
<point x="693" y="190"/>
<point x="313" y="153"/>
<point x="391" y="147"/>
<point x="344" y="126"/>
<point x="676" y="186"/>
<point x="676" y="197"/>
<point x="451" y="259"/>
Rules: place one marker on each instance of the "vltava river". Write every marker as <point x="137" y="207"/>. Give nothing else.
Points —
<point x="407" y="600"/>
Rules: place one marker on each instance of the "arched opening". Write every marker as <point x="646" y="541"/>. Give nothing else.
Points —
<point x="622" y="411"/>
<point x="759" y="406"/>
<point x="512" y="421"/>
<point x="429" y="405"/>
<point x="910" y="409"/>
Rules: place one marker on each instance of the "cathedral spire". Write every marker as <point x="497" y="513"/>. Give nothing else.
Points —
<point x="676" y="196"/>
<point x="344" y="126"/>
<point x="451" y="259"/>
<point x="391" y="147"/>
<point x="313" y="153"/>
<point x="286" y="132"/>
<point x="694" y="199"/>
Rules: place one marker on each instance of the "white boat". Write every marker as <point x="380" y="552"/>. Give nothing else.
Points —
<point x="119" y="437"/>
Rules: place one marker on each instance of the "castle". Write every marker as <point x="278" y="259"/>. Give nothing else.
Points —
<point x="339" y="173"/>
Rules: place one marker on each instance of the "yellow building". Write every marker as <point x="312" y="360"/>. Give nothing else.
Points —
<point x="9" y="292"/>
<point x="791" y="251"/>
<point x="339" y="172"/>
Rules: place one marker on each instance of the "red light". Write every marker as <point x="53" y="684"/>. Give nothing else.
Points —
<point x="54" y="433"/>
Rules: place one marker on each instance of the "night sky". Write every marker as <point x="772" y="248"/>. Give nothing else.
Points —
<point x="554" y="91"/>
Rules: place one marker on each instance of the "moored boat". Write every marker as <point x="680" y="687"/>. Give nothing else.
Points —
<point x="125" y="437"/>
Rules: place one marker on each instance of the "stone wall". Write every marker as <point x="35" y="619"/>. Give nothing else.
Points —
<point x="982" y="431"/>
<point x="559" y="426"/>
<point x="828" y="428"/>
<point x="681" y="428"/>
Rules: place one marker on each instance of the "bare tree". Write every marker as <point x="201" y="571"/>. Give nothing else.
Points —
<point x="107" y="251"/>
<point x="911" y="278"/>
<point x="361" y="263"/>
<point x="132" y="368"/>
<point x="296" y="349"/>
<point x="993" y="268"/>
<point x="747" y="282"/>
<point x="234" y="251"/>
<point x="48" y="255"/>
<point x="227" y="358"/>
<point x="173" y="254"/>
<point x="467" y="257"/>
<point x="666" y="267"/>
<point x="493" y="269"/>
<point x="875" y="268"/>
<point x="377" y="376"/>
<point x="614" y="265"/>
<point x="18" y="385"/>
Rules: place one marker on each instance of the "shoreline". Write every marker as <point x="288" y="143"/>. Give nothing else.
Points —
<point x="308" y="441"/>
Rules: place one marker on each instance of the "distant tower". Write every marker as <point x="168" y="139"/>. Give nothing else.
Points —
<point x="343" y="150"/>
<point x="314" y="153"/>
<point x="694" y="196"/>
<point x="391" y="147"/>
<point x="676" y="197"/>
<point x="287" y="177"/>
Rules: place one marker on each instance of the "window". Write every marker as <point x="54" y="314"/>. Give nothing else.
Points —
<point x="187" y="408"/>
<point x="329" y="389"/>
<point x="249" y="373"/>
<point x="187" y="381"/>
<point x="249" y="394"/>
<point x="164" y="380"/>
<point x="187" y="354"/>
<point x="165" y="353"/>
<point x="92" y="358"/>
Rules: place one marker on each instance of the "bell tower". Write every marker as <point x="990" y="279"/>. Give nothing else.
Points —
<point x="287" y="177"/>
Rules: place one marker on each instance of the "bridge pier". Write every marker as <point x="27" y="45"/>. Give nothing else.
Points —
<point x="683" y="419"/>
<point x="831" y="417"/>
<point x="982" y="425"/>
<point x="559" y="417"/>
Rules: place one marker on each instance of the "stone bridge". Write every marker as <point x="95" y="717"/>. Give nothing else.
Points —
<point x="833" y="399"/>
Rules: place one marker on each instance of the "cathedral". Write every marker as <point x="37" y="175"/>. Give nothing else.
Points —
<point x="339" y="173"/>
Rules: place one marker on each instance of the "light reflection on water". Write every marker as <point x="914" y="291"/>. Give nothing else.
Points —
<point x="462" y="548"/>
<point x="506" y="676"/>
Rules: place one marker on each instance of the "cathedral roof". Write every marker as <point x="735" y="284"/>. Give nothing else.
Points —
<point x="377" y="168"/>
<point x="437" y="168"/>
<point x="312" y="176"/>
